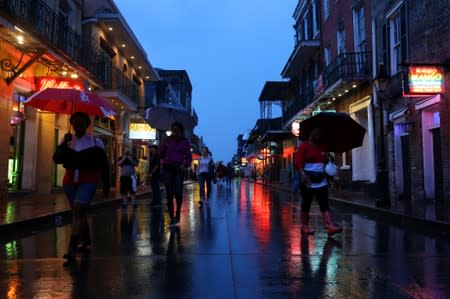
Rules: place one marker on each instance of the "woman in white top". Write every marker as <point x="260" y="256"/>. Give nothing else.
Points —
<point x="205" y="170"/>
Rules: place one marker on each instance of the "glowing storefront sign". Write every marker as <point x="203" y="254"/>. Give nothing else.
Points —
<point x="52" y="82"/>
<point x="141" y="131"/>
<point x="425" y="80"/>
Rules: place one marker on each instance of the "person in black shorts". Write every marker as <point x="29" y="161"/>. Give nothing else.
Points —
<point x="128" y="181"/>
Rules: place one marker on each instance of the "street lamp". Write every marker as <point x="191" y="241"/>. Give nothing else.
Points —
<point x="381" y="82"/>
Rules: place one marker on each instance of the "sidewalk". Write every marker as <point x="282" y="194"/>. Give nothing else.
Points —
<point x="426" y="215"/>
<point x="28" y="210"/>
<point x="34" y="209"/>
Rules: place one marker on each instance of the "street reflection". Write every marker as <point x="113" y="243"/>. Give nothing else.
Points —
<point x="258" y="229"/>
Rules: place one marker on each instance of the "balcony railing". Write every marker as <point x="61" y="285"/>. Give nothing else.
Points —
<point x="125" y="85"/>
<point x="299" y="103"/>
<point x="356" y="65"/>
<point x="37" y="17"/>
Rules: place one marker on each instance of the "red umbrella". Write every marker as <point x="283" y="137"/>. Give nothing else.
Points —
<point x="68" y="101"/>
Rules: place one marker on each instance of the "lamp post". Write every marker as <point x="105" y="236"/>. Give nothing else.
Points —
<point x="381" y="82"/>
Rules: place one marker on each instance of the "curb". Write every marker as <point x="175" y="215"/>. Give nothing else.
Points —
<point x="394" y="217"/>
<point x="44" y="220"/>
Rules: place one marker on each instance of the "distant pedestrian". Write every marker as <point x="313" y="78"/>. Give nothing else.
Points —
<point x="221" y="171"/>
<point x="128" y="181"/>
<point x="205" y="173"/>
<point x="84" y="158"/>
<point x="142" y="171"/>
<point x="175" y="154"/>
<point x="229" y="174"/>
<point x="310" y="162"/>
<point x="154" y="175"/>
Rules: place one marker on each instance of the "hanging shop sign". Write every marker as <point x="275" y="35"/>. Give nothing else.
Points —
<point x="141" y="131"/>
<point x="424" y="80"/>
<point x="295" y="128"/>
<point x="55" y="82"/>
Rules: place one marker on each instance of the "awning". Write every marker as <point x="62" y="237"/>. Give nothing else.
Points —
<point x="276" y="135"/>
<point x="275" y="91"/>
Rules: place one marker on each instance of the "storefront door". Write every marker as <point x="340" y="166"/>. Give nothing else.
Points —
<point x="438" y="180"/>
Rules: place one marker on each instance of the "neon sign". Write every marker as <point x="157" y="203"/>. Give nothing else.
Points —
<point x="52" y="82"/>
<point x="141" y="131"/>
<point x="424" y="80"/>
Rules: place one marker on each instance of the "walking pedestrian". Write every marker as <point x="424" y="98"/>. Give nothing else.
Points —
<point x="84" y="158"/>
<point x="205" y="171"/>
<point x="154" y="175"/>
<point x="220" y="173"/>
<point x="229" y="174"/>
<point x="142" y="171"/>
<point x="128" y="181"/>
<point x="310" y="162"/>
<point x="175" y="154"/>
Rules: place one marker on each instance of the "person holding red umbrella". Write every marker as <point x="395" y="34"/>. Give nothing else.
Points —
<point x="310" y="162"/>
<point x="84" y="158"/>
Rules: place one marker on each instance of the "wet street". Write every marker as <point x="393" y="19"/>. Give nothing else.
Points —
<point x="245" y="244"/>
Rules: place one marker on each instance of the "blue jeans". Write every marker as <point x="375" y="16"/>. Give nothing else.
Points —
<point x="156" y="192"/>
<point x="296" y="181"/>
<point x="83" y="193"/>
<point x="203" y="178"/>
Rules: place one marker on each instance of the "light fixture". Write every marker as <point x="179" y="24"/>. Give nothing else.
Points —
<point x="168" y="133"/>
<point x="89" y="88"/>
<point x="339" y="95"/>
<point x="333" y="99"/>
<point x="20" y="39"/>
<point x="64" y="73"/>
<point x="346" y="90"/>
<point x="147" y="77"/>
<point x="132" y="57"/>
<point x="354" y="86"/>
<point x="381" y="80"/>
<point x="17" y="118"/>
<point x="123" y="45"/>
<point x="73" y="76"/>
<point x="110" y="29"/>
<point x="139" y="67"/>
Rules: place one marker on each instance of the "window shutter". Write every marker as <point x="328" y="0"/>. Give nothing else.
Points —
<point x="403" y="34"/>
<point x="386" y="47"/>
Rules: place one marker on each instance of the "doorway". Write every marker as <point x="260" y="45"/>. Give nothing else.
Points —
<point x="406" y="167"/>
<point x="437" y="161"/>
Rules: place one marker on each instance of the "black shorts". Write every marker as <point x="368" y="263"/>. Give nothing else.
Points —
<point x="127" y="185"/>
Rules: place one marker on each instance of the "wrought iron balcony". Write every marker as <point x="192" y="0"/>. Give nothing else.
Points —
<point x="355" y="66"/>
<point x="298" y="104"/>
<point x="37" y="17"/>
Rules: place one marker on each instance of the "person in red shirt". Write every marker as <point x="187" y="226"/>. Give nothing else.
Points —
<point x="310" y="163"/>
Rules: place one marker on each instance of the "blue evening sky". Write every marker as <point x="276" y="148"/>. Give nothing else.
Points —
<point x="229" y="49"/>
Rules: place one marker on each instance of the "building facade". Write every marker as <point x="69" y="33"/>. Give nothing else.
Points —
<point x="64" y="43"/>
<point x="339" y="48"/>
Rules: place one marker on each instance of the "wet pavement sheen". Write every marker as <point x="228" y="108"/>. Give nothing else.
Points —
<point x="245" y="244"/>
